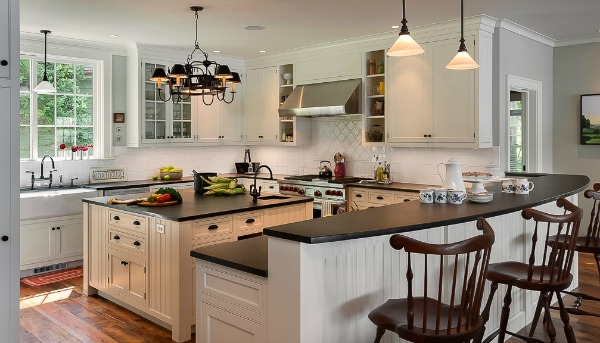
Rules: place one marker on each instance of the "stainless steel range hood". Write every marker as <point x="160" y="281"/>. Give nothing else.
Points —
<point x="326" y="99"/>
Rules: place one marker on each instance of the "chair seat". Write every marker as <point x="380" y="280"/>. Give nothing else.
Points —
<point x="580" y="245"/>
<point x="392" y="315"/>
<point x="515" y="274"/>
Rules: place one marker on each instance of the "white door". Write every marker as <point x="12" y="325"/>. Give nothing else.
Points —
<point x="4" y="39"/>
<point x="69" y="238"/>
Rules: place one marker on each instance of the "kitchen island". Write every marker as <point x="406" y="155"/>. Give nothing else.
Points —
<point x="324" y="276"/>
<point x="139" y="257"/>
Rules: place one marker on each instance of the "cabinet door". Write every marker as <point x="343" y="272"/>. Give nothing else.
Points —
<point x="69" y="239"/>
<point x="127" y="276"/>
<point x="4" y="38"/>
<point x="218" y="326"/>
<point x="270" y="116"/>
<point x="231" y="118"/>
<point x="37" y="243"/>
<point x="254" y="104"/>
<point x="208" y="121"/>
<point x="408" y="99"/>
<point x="182" y="122"/>
<point x="154" y="119"/>
<point x="453" y="96"/>
<point x="262" y="116"/>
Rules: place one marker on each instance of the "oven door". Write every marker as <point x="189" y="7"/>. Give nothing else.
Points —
<point x="323" y="207"/>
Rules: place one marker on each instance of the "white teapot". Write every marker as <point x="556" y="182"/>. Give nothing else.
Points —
<point x="454" y="179"/>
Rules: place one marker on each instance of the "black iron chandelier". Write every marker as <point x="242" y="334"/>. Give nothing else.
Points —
<point x="206" y="78"/>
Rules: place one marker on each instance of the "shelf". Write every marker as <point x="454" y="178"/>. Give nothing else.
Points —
<point x="292" y="85"/>
<point x="377" y="96"/>
<point x="376" y="75"/>
<point x="286" y="121"/>
<point x="376" y="117"/>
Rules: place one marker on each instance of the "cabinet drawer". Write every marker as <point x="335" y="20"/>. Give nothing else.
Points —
<point x="129" y="242"/>
<point x="249" y="222"/>
<point x="213" y="229"/>
<point x="127" y="221"/>
<point x="405" y="197"/>
<point x="218" y="325"/>
<point x="381" y="198"/>
<point x="358" y="196"/>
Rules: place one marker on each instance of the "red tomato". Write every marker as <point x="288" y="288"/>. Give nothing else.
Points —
<point x="167" y="197"/>
<point x="160" y="199"/>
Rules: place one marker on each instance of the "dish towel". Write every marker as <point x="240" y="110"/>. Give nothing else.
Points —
<point x="326" y="208"/>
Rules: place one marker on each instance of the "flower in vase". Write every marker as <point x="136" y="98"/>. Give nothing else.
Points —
<point x="62" y="146"/>
<point x="83" y="148"/>
<point x="74" y="148"/>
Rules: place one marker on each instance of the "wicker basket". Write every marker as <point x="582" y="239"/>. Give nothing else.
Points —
<point x="173" y="176"/>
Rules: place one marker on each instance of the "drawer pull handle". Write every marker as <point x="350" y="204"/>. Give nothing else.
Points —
<point x="124" y="263"/>
<point x="379" y="197"/>
<point x="53" y="228"/>
<point x="213" y="227"/>
<point x="271" y="187"/>
<point x="250" y="221"/>
<point x="359" y="195"/>
<point x="116" y="218"/>
<point x="406" y="200"/>
<point x="136" y="222"/>
<point x="116" y="237"/>
<point x="137" y="243"/>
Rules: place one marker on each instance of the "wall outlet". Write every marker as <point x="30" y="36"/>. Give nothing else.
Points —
<point x="160" y="228"/>
<point x="378" y="158"/>
<point x="296" y="171"/>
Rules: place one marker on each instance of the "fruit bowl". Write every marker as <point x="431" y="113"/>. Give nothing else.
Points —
<point x="172" y="176"/>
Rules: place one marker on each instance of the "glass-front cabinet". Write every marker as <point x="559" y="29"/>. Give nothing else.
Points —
<point x="164" y="121"/>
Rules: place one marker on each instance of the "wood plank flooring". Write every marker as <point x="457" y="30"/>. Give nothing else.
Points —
<point x="60" y="313"/>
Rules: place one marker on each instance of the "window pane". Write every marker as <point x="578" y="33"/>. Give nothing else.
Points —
<point x="45" y="110"/>
<point x="149" y="110"/>
<point x="40" y="72"/>
<point x="45" y="141"/>
<point x="64" y="78"/>
<point x="85" y="135"/>
<point x="150" y="131"/>
<point x="177" y="112"/>
<point x="65" y="112"/>
<point x="85" y="110"/>
<point x="65" y="135"/>
<point x="148" y="70"/>
<point x="85" y="79"/>
<point x="187" y="129"/>
<point x="25" y="109"/>
<point x="160" y="111"/>
<point x="25" y="143"/>
<point x="187" y="112"/>
<point x="161" y="130"/>
<point x="24" y="74"/>
<point x="150" y="91"/>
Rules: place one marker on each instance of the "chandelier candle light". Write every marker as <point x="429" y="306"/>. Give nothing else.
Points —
<point x="462" y="60"/>
<point x="206" y="78"/>
<point x="405" y="45"/>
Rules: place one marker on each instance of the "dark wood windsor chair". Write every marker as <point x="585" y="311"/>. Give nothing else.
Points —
<point x="452" y="312"/>
<point x="550" y="275"/>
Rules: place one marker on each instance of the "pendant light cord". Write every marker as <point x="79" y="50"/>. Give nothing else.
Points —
<point x="404" y="29"/>
<point x="462" y="47"/>
<point x="45" y="54"/>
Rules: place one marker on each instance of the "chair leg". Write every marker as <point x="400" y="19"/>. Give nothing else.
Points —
<point x="564" y="316"/>
<point x="536" y="316"/>
<point x="549" y="326"/>
<point x="597" y="258"/>
<point x="505" y="314"/>
<point x="380" y="332"/>
<point x="486" y="312"/>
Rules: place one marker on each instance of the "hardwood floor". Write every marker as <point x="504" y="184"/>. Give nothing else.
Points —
<point x="60" y="313"/>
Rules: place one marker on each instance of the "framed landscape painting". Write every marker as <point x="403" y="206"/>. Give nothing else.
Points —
<point x="590" y="119"/>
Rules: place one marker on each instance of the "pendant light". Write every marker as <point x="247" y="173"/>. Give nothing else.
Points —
<point x="462" y="60"/>
<point x="405" y="45"/>
<point x="45" y="87"/>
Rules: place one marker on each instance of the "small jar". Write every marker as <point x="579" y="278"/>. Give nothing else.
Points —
<point x="380" y="68"/>
<point x="372" y="66"/>
<point x="381" y="88"/>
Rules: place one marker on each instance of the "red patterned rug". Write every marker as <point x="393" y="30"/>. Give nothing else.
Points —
<point x="52" y="277"/>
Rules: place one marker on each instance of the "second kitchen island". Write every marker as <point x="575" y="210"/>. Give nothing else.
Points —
<point x="139" y="257"/>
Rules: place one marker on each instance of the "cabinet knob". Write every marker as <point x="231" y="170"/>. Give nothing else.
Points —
<point x="428" y="135"/>
<point x="4" y="63"/>
<point x="4" y="238"/>
<point x="116" y="218"/>
<point x="213" y="227"/>
<point x="425" y="136"/>
<point x="53" y="228"/>
<point x="137" y="243"/>
<point x="58" y="227"/>
<point x="116" y="237"/>
<point x="250" y="221"/>
<point x="136" y="222"/>
<point x="124" y="263"/>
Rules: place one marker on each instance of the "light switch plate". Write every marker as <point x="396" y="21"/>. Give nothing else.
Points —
<point x="160" y="228"/>
<point x="378" y="158"/>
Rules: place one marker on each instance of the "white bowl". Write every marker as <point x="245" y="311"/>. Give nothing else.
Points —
<point x="480" y="197"/>
<point x="288" y="77"/>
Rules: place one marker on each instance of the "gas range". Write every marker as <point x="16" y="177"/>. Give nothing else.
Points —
<point x="315" y="187"/>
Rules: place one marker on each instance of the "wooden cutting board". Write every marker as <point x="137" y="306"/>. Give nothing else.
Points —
<point x="158" y="204"/>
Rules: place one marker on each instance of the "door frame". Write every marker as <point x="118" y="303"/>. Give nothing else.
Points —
<point x="533" y="121"/>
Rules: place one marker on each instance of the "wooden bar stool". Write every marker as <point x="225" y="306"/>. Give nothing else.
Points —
<point x="590" y="244"/>
<point x="428" y="318"/>
<point x="550" y="275"/>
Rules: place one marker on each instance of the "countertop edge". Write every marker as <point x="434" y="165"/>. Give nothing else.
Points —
<point x="230" y="264"/>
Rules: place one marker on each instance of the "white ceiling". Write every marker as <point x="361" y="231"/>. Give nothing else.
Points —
<point x="289" y="23"/>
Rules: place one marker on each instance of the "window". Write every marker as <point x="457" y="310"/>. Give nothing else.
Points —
<point x="67" y="117"/>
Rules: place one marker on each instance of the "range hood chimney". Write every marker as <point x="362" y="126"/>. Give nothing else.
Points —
<point x="326" y="99"/>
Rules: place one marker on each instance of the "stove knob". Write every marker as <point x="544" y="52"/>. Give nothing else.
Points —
<point x="296" y="189"/>
<point x="301" y="191"/>
<point x="339" y="193"/>
<point x="284" y="188"/>
<point x="318" y="193"/>
<point x="328" y="192"/>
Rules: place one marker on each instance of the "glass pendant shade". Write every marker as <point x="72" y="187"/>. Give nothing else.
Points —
<point x="462" y="61"/>
<point x="405" y="46"/>
<point x="45" y="87"/>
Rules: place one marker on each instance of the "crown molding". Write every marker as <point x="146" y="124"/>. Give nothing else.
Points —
<point x="578" y="41"/>
<point x="525" y="32"/>
<point x="32" y="41"/>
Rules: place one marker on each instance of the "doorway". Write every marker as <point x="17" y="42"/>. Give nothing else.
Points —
<point x="523" y="125"/>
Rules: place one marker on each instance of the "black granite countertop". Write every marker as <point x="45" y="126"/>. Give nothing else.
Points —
<point x="196" y="205"/>
<point x="149" y="182"/>
<point x="414" y="215"/>
<point x="248" y="255"/>
<point x="395" y="186"/>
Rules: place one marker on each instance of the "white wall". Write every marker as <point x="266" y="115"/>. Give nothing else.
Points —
<point x="576" y="71"/>
<point x="518" y="55"/>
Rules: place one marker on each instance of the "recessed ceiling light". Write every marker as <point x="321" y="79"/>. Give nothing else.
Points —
<point x="396" y="27"/>
<point x="216" y="51"/>
<point x="114" y="36"/>
<point x="254" y="27"/>
<point x="263" y="51"/>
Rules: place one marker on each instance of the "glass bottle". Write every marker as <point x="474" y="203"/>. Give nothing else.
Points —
<point x="379" y="173"/>
<point x="380" y="68"/>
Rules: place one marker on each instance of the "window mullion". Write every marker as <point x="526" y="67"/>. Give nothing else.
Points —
<point x="33" y="127"/>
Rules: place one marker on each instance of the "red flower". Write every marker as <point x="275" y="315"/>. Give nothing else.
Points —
<point x="62" y="146"/>
<point x="90" y="146"/>
<point x="74" y="148"/>
<point x="83" y="148"/>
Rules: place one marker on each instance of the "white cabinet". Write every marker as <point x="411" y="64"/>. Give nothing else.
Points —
<point x="262" y="103"/>
<point x="219" y="123"/>
<point x="333" y="67"/>
<point x="127" y="275"/>
<point x="429" y="105"/>
<point x="5" y="32"/>
<point x="219" y="326"/>
<point x="45" y="242"/>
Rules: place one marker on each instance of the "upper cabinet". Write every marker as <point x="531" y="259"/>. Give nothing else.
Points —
<point x="262" y="103"/>
<point x="329" y="68"/>
<point x="220" y="122"/>
<point x="429" y="105"/>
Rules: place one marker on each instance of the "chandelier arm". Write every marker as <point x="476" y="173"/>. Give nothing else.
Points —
<point x="212" y="99"/>
<point x="162" y="98"/>
<point x="230" y="101"/>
